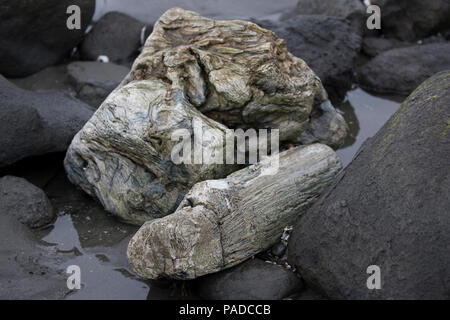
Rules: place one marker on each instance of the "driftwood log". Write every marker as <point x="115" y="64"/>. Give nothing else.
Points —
<point x="221" y="223"/>
<point x="225" y="74"/>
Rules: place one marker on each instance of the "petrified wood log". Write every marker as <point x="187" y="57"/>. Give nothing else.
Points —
<point x="221" y="223"/>
<point x="192" y="69"/>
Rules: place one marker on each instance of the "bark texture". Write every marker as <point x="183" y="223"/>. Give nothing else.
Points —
<point x="224" y="74"/>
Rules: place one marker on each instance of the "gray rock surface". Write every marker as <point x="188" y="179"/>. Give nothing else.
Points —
<point x="327" y="44"/>
<point x="251" y="280"/>
<point x="26" y="202"/>
<point x="413" y="19"/>
<point x="34" y="34"/>
<point x="402" y="70"/>
<point x="221" y="223"/>
<point x="94" y="81"/>
<point x="390" y="207"/>
<point x="352" y="10"/>
<point x="35" y="123"/>
<point x="192" y="69"/>
<point x="115" y="35"/>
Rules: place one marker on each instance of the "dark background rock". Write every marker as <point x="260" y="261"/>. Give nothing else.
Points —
<point x="373" y="46"/>
<point x="34" y="123"/>
<point x="115" y="35"/>
<point x="26" y="202"/>
<point x="326" y="126"/>
<point x="34" y="34"/>
<point x="89" y="81"/>
<point x="94" y="81"/>
<point x="402" y="70"/>
<point x="51" y="78"/>
<point x="390" y="207"/>
<point x="352" y="10"/>
<point x="413" y="19"/>
<point x="326" y="44"/>
<point x="251" y="280"/>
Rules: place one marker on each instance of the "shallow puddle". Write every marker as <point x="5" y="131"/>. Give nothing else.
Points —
<point x="365" y="115"/>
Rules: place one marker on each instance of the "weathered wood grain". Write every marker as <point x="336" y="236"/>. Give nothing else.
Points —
<point x="221" y="223"/>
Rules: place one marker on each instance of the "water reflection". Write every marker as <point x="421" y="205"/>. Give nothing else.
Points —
<point x="365" y="114"/>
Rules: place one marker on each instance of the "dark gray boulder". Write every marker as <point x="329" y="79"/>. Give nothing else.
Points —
<point x="390" y="207"/>
<point x="35" y="123"/>
<point x="117" y="36"/>
<point x="327" y="125"/>
<point x="373" y="46"/>
<point x="251" y="280"/>
<point x="51" y="78"/>
<point x="94" y="81"/>
<point x="402" y="70"/>
<point x="413" y="19"/>
<point x="34" y="34"/>
<point x="327" y="44"/>
<point x="26" y="202"/>
<point x="89" y="81"/>
<point x="27" y="271"/>
<point x="352" y="10"/>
